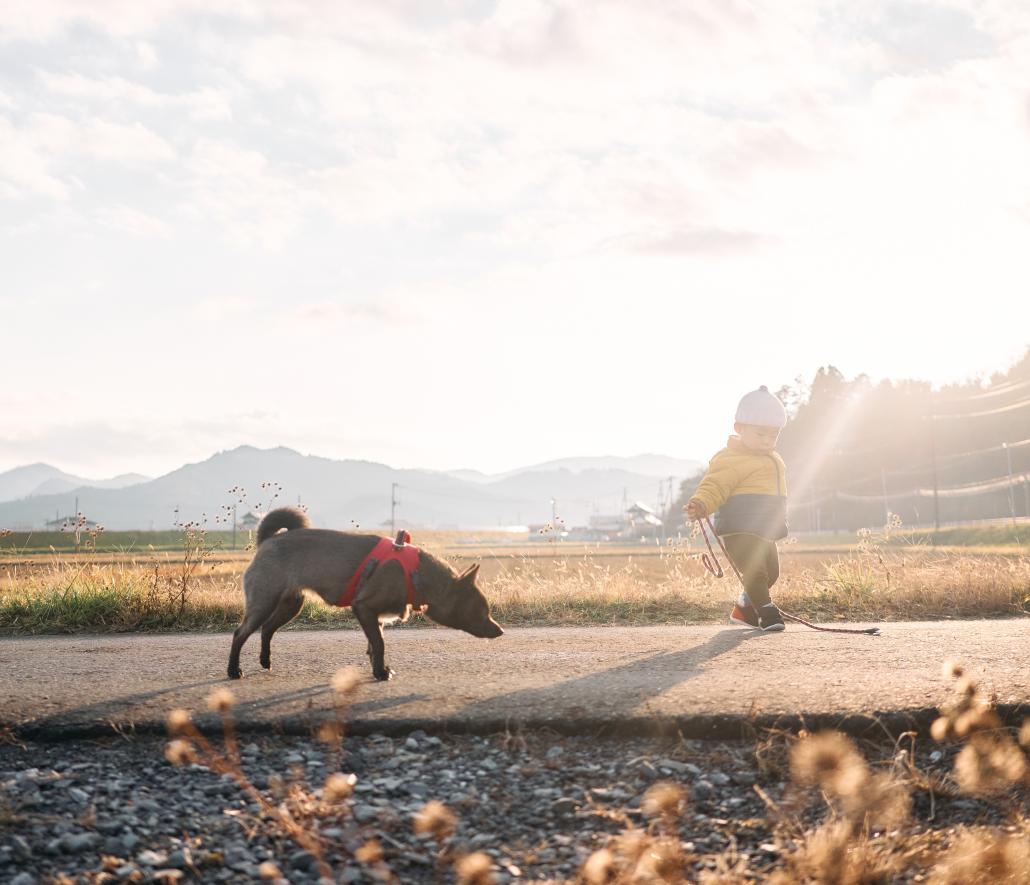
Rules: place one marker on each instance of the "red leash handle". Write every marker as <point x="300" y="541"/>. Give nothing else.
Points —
<point x="711" y="562"/>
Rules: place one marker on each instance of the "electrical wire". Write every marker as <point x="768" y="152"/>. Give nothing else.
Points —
<point x="1009" y="408"/>
<point x="959" y="491"/>
<point x="1000" y="390"/>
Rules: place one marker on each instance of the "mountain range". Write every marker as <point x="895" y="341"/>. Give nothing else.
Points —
<point x="41" y="479"/>
<point x="342" y="493"/>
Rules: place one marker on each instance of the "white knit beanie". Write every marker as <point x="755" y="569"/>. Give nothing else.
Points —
<point x="761" y="407"/>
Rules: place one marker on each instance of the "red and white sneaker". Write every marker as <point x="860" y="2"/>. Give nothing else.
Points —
<point x="744" y="613"/>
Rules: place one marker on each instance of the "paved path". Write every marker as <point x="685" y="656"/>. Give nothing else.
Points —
<point x="704" y="681"/>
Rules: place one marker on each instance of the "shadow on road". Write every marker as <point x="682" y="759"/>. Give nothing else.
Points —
<point x="629" y="685"/>
<point x="102" y="711"/>
<point x="103" y="715"/>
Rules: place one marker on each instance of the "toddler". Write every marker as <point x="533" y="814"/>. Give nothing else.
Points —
<point x="746" y="488"/>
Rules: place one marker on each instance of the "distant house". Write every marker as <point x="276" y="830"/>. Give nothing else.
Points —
<point x="69" y="524"/>
<point x="631" y="523"/>
<point x="640" y="516"/>
<point x="248" y="521"/>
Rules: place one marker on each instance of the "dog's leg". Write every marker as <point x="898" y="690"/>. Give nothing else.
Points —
<point x="376" y="647"/>
<point x="289" y="607"/>
<point x="259" y="610"/>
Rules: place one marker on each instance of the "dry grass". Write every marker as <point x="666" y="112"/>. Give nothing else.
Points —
<point x="549" y="587"/>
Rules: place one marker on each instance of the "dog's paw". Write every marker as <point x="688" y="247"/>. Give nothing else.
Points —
<point x="383" y="675"/>
<point x="235" y="674"/>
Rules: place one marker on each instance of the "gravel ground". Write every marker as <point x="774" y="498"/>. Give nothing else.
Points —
<point x="537" y="803"/>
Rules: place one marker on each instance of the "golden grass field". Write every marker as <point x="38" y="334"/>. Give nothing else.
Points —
<point x="535" y="584"/>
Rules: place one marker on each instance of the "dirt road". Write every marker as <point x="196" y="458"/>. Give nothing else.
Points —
<point x="704" y="681"/>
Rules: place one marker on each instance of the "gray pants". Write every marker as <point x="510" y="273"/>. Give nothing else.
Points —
<point x="757" y="559"/>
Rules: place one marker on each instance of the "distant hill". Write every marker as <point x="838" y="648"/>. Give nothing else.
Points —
<point x="69" y="483"/>
<point x="340" y="494"/>
<point x="43" y="479"/>
<point x="657" y="466"/>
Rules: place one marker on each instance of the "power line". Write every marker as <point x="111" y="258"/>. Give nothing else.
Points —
<point x="927" y="468"/>
<point x="1000" y="390"/>
<point x="1012" y="445"/>
<point x="1009" y="408"/>
<point x="959" y="491"/>
<point x="978" y="488"/>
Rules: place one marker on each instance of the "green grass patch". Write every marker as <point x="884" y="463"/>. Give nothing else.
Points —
<point x="997" y="535"/>
<point x="23" y="543"/>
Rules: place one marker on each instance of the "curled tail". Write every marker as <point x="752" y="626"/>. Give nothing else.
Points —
<point x="283" y="518"/>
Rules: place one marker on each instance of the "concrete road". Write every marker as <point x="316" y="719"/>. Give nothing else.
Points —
<point x="702" y="681"/>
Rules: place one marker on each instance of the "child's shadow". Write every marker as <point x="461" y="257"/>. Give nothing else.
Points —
<point x="629" y="685"/>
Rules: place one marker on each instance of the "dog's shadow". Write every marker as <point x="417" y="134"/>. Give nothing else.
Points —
<point x="322" y="693"/>
<point x="105" y="710"/>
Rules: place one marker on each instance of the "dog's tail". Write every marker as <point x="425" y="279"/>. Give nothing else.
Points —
<point x="281" y="518"/>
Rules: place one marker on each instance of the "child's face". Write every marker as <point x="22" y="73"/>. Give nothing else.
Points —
<point x="758" y="437"/>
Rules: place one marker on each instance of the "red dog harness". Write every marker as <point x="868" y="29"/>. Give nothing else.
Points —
<point x="386" y="551"/>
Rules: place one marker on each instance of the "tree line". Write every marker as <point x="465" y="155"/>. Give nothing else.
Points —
<point x="859" y="453"/>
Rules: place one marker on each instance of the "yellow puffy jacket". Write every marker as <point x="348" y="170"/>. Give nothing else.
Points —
<point x="746" y="490"/>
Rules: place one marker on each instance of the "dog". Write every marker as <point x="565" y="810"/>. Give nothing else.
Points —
<point x="327" y="562"/>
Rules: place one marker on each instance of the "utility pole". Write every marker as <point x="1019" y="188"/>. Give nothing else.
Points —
<point x="933" y="462"/>
<point x="233" y="525"/>
<point x="886" y="508"/>
<point x="393" y="509"/>
<point x="1012" y="499"/>
<point x="670" y="513"/>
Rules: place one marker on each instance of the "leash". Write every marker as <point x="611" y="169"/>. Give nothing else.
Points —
<point x="711" y="562"/>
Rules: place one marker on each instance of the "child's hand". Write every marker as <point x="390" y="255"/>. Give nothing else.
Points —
<point x="695" y="509"/>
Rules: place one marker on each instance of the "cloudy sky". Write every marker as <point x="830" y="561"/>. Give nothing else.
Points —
<point x="483" y="234"/>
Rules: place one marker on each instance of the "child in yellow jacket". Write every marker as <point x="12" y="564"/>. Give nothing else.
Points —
<point x="746" y="488"/>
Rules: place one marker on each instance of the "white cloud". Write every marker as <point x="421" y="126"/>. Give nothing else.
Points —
<point x="23" y="168"/>
<point x="470" y="195"/>
<point x="123" y="144"/>
<point x="132" y="221"/>
<point x="118" y="92"/>
<point x="146" y="55"/>
<point x="39" y="155"/>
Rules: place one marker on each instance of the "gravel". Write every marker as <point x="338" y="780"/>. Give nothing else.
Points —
<point x="537" y="803"/>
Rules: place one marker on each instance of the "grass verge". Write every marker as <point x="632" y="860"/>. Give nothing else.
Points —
<point x="872" y="585"/>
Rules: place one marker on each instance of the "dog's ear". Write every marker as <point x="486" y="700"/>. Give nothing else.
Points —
<point x="469" y="575"/>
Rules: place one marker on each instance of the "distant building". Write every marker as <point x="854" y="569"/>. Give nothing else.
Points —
<point x="642" y="516"/>
<point x="634" y="522"/>
<point x="69" y="524"/>
<point x="248" y="521"/>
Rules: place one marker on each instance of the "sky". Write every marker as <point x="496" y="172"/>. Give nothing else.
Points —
<point x="484" y="235"/>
